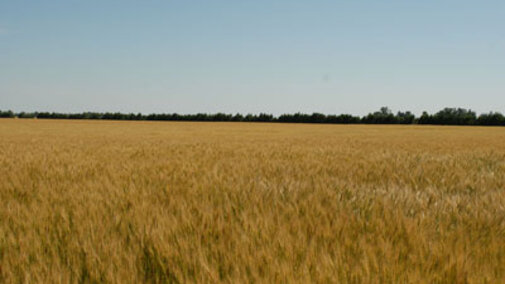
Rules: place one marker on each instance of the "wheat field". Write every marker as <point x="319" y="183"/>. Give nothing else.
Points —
<point x="178" y="202"/>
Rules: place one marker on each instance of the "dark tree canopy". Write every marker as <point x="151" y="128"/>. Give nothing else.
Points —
<point x="447" y="116"/>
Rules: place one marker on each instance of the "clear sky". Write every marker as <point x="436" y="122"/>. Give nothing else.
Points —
<point x="274" y="56"/>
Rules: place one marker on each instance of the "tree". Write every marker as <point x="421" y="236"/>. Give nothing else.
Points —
<point x="492" y="118"/>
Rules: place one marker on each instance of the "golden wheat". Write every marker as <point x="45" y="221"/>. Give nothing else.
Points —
<point x="122" y="202"/>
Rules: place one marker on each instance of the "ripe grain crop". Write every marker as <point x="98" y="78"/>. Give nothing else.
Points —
<point x="125" y="202"/>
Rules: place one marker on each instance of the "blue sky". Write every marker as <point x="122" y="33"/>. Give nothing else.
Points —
<point x="251" y="56"/>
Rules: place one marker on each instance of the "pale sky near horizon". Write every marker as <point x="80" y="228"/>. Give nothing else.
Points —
<point x="251" y="56"/>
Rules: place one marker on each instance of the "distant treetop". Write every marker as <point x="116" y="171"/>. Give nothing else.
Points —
<point x="447" y="116"/>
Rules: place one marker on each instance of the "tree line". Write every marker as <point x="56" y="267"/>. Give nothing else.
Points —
<point x="447" y="116"/>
